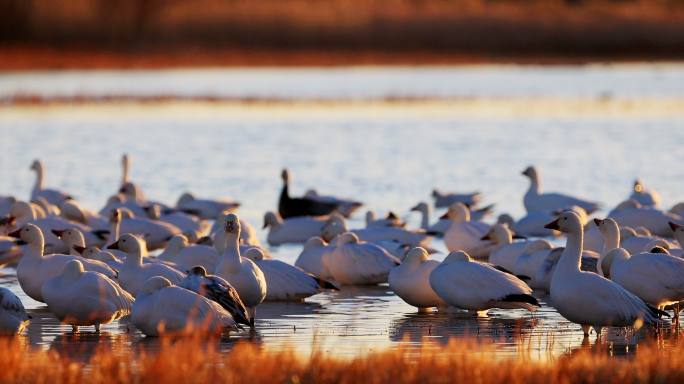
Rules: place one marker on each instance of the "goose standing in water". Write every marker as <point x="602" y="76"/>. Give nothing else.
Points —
<point x="161" y="308"/>
<point x="240" y="272"/>
<point x="284" y="281"/>
<point x="644" y="196"/>
<point x="587" y="298"/>
<point x="657" y="278"/>
<point x="354" y="262"/>
<point x="445" y="200"/>
<point x="466" y="235"/>
<point x="216" y="289"/>
<point x="300" y="206"/>
<point x="478" y="287"/>
<point x="13" y="316"/>
<point x="134" y="273"/>
<point x="411" y="280"/>
<point x="53" y="196"/>
<point x="292" y="230"/>
<point x="80" y="298"/>
<point x="535" y="200"/>
<point x="35" y="268"/>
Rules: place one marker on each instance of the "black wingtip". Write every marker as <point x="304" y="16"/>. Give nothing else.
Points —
<point x="657" y="312"/>
<point x="521" y="298"/>
<point x="101" y="233"/>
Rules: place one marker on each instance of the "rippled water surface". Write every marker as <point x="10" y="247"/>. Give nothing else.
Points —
<point x="388" y="154"/>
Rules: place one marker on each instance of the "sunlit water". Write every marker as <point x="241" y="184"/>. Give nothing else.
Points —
<point x="590" y="130"/>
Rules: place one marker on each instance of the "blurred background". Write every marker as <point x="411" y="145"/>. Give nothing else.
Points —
<point x="153" y="33"/>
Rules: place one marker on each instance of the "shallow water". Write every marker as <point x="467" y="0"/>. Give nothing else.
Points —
<point x="388" y="154"/>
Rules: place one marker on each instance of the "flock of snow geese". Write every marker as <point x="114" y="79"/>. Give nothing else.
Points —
<point x="92" y="268"/>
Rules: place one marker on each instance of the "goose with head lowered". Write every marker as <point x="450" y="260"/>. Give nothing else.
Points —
<point x="655" y="277"/>
<point x="53" y="196"/>
<point x="134" y="272"/>
<point x="535" y="200"/>
<point x="311" y="257"/>
<point x="477" y="287"/>
<point x="81" y="298"/>
<point x="13" y="316"/>
<point x="216" y="289"/>
<point x="589" y="299"/>
<point x="35" y="267"/>
<point x="284" y="281"/>
<point x="292" y="230"/>
<point x="300" y="206"/>
<point x="632" y="214"/>
<point x="161" y="308"/>
<point x="411" y="280"/>
<point x="242" y="273"/>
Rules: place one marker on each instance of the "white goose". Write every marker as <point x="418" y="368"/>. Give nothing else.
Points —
<point x="186" y="256"/>
<point x="13" y="316"/>
<point x="612" y="238"/>
<point x="478" y="287"/>
<point x="240" y="272"/>
<point x="53" y="196"/>
<point x="506" y="252"/>
<point x="535" y="200"/>
<point x="466" y="235"/>
<point x="130" y="189"/>
<point x="292" y="230"/>
<point x="95" y="253"/>
<point x="161" y="308"/>
<point x="587" y="298"/>
<point x="73" y="211"/>
<point x="354" y="262"/>
<point x="311" y="257"/>
<point x="205" y="208"/>
<point x="391" y="220"/>
<point x="248" y="235"/>
<point x="444" y="200"/>
<point x="630" y="213"/>
<point x="79" y="297"/>
<point x="644" y="196"/>
<point x="439" y="228"/>
<point x="336" y="225"/>
<point x="678" y="233"/>
<point x="134" y="273"/>
<point x="35" y="268"/>
<point x="411" y="280"/>
<point x="656" y="278"/>
<point x="155" y="233"/>
<point x="190" y="226"/>
<point x="284" y="281"/>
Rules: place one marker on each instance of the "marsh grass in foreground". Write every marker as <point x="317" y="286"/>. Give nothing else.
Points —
<point x="189" y="360"/>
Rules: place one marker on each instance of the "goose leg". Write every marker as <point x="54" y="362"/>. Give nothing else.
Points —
<point x="74" y="328"/>
<point x="251" y="312"/>
<point x="586" y="329"/>
<point x="97" y="328"/>
<point x="598" y="330"/>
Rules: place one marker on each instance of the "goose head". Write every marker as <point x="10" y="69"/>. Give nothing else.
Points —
<point x="436" y="193"/>
<point x="115" y="216"/>
<point x="347" y="238"/>
<point x="678" y="232"/>
<point x="458" y="212"/>
<point x="129" y="244"/>
<point x="176" y="244"/>
<point x="567" y="222"/>
<point x="415" y="257"/>
<point x="37" y="165"/>
<point x="185" y="198"/>
<point x="457" y="256"/>
<point x="531" y="173"/>
<point x="499" y="234"/>
<point x="232" y="225"/>
<point x="272" y="219"/>
<point x="254" y="254"/>
<point x="314" y="242"/>
<point x="89" y="252"/>
<point x="420" y="207"/>
<point x="333" y="228"/>
<point x="30" y="234"/>
<point x="153" y="284"/>
<point x="153" y="211"/>
<point x="505" y="219"/>
<point x="285" y="176"/>
<point x="72" y="270"/>
<point x="72" y="237"/>
<point x="611" y="257"/>
<point x="608" y="227"/>
<point x="198" y="270"/>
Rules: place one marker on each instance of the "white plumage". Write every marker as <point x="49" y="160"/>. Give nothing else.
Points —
<point x="411" y="280"/>
<point x="353" y="262"/>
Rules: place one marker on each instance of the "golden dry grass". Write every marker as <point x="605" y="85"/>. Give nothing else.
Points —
<point x="193" y="361"/>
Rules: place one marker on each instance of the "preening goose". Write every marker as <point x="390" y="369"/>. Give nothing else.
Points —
<point x="78" y="297"/>
<point x="535" y="200"/>
<point x="587" y="298"/>
<point x="478" y="287"/>
<point x="161" y="308"/>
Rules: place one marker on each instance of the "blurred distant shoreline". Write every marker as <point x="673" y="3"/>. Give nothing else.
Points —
<point x="31" y="57"/>
<point x="77" y="34"/>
